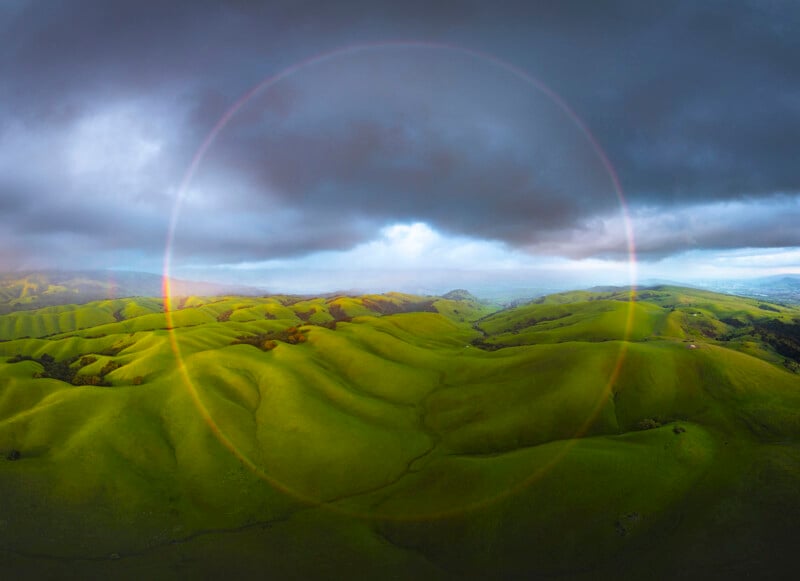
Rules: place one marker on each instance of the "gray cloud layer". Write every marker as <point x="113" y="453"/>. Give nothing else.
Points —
<point x="103" y="105"/>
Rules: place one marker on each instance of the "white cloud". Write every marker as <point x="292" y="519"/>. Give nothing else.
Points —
<point x="661" y="231"/>
<point x="416" y="258"/>
<point x="409" y="246"/>
<point x="119" y="141"/>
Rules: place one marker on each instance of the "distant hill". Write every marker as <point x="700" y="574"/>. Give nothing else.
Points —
<point x="36" y="289"/>
<point x="460" y="295"/>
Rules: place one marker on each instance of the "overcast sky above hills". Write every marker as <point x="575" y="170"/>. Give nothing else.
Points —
<point x="401" y="137"/>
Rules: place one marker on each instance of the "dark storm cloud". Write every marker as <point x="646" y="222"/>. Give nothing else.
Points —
<point x="706" y="106"/>
<point x="383" y="174"/>
<point x="694" y="102"/>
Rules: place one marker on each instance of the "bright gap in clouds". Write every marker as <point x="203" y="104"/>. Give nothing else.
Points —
<point x="414" y="246"/>
<point x="414" y="257"/>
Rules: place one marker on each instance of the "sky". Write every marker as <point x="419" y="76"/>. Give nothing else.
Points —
<point x="314" y="146"/>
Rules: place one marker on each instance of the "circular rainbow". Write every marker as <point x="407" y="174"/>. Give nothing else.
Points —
<point x="271" y="81"/>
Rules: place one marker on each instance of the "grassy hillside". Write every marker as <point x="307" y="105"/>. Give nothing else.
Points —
<point x="582" y="436"/>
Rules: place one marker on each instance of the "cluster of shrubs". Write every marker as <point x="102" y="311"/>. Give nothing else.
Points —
<point x="268" y="341"/>
<point x="294" y="336"/>
<point x="387" y="307"/>
<point x="306" y="315"/>
<point x="114" y="349"/>
<point x="647" y="424"/>
<point x="339" y="314"/>
<point x="268" y="345"/>
<point x="653" y="423"/>
<point x="792" y="366"/>
<point x="481" y="343"/>
<point x="109" y="367"/>
<point x="97" y="380"/>
<point x="225" y="316"/>
<point x="64" y="370"/>
<point x="783" y="337"/>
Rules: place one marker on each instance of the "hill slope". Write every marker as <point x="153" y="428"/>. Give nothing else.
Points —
<point x="580" y="436"/>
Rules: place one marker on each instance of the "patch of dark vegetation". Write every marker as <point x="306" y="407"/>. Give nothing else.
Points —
<point x="268" y="341"/>
<point x="735" y="323"/>
<point x="338" y="313"/>
<point x="224" y="316"/>
<point x="13" y="455"/>
<point x="268" y="345"/>
<point x="481" y="343"/>
<point x="306" y="315"/>
<point x="783" y="337"/>
<point x="766" y="307"/>
<point x="386" y="307"/>
<point x="118" y="316"/>
<point x="702" y="325"/>
<point x="291" y="300"/>
<point x="138" y="380"/>
<point x="647" y="424"/>
<point x="64" y="370"/>
<point x="96" y="380"/>
<point x="678" y="430"/>
<point x="60" y="370"/>
<point x="625" y="523"/>
<point x="270" y="317"/>
<point x="293" y="336"/>
<point x="114" y="350"/>
<point x="792" y="366"/>
<point x="535" y="321"/>
<point x="109" y="367"/>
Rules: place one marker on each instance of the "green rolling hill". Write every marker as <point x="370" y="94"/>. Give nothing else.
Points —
<point x="585" y="435"/>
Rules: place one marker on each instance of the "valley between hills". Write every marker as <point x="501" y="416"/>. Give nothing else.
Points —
<point x="582" y="435"/>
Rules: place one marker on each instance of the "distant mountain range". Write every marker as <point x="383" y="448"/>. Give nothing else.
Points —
<point x="783" y="288"/>
<point x="36" y="289"/>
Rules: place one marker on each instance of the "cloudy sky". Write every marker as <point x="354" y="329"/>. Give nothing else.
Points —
<point x="314" y="145"/>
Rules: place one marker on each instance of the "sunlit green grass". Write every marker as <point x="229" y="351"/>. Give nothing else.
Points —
<point x="449" y="443"/>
